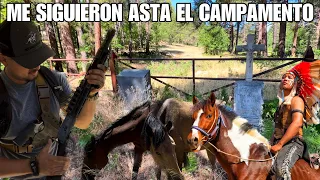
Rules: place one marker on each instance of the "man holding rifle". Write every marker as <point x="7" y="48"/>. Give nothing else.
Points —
<point x="30" y="101"/>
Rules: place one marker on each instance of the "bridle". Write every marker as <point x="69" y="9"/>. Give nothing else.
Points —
<point x="209" y="134"/>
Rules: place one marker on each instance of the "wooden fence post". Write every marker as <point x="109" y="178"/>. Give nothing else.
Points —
<point x="113" y="72"/>
<point x="193" y="79"/>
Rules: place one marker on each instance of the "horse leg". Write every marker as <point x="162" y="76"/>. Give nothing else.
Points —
<point x="138" y="152"/>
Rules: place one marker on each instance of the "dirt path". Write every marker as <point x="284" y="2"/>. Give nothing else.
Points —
<point x="184" y="51"/>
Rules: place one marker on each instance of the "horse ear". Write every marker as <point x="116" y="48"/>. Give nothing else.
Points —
<point x="212" y="99"/>
<point x="195" y="100"/>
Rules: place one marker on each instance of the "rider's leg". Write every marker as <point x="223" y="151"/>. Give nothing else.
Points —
<point x="287" y="157"/>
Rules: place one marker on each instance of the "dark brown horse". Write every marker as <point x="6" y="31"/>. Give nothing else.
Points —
<point x="176" y="119"/>
<point x="240" y="149"/>
<point x="146" y="132"/>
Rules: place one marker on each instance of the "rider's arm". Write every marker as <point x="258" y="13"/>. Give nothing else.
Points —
<point x="297" y="121"/>
<point x="14" y="167"/>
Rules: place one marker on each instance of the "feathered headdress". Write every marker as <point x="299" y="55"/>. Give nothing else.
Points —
<point x="308" y="87"/>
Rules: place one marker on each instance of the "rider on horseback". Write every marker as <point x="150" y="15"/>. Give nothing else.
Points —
<point x="297" y="105"/>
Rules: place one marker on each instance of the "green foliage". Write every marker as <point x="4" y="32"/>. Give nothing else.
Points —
<point x="306" y="35"/>
<point x="168" y="93"/>
<point x="214" y="39"/>
<point x="193" y="163"/>
<point x="317" y="53"/>
<point x="224" y="95"/>
<point x="267" y="128"/>
<point x="311" y="135"/>
<point x="3" y="8"/>
<point x="269" y="108"/>
<point x="85" y="134"/>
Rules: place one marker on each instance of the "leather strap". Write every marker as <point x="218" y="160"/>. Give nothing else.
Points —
<point x="297" y="110"/>
<point x="25" y="136"/>
<point x="17" y="149"/>
<point x="43" y="94"/>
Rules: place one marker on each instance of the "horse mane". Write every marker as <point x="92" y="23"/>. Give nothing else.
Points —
<point x="124" y="119"/>
<point x="153" y="127"/>
<point x="231" y="115"/>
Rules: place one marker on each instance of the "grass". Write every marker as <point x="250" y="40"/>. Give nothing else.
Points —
<point x="193" y="163"/>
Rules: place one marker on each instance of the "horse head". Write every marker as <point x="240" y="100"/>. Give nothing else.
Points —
<point x="206" y="119"/>
<point x="162" y="146"/>
<point x="118" y="133"/>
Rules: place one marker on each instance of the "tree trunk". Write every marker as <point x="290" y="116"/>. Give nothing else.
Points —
<point x="262" y="36"/>
<point x="237" y="36"/>
<point x="231" y="37"/>
<point x="295" y="40"/>
<point x="256" y="32"/>
<point x="275" y="35"/>
<point x="130" y="35"/>
<point x="97" y="36"/>
<point x="82" y="44"/>
<point x="282" y="36"/>
<point x="140" y="29"/>
<point x="68" y="46"/>
<point x="97" y="33"/>
<point x="148" y="24"/>
<point x="318" y="33"/>
<point x="57" y="31"/>
<point x="282" y="39"/>
<point x="54" y="45"/>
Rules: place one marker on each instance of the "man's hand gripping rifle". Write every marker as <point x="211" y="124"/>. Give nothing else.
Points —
<point x="80" y="96"/>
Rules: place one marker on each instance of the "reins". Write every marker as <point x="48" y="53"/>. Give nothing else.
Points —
<point x="248" y="159"/>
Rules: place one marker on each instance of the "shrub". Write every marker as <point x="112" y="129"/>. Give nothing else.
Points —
<point x="269" y="108"/>
<point x="214" y="39"/>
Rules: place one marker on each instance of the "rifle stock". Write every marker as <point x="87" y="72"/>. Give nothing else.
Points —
<point x="80" y="96"/>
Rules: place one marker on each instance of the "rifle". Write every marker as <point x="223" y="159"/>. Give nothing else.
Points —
<point x="81" y="94"/>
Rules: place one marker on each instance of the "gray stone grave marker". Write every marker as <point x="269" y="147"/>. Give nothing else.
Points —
<point x="134" y="86"/>
<point x="248" y="94"/>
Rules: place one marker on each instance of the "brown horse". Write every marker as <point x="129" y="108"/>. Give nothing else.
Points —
<point x="146" y="132"/>
<point x="176" y="117"/>
<point x="239" y="148"/>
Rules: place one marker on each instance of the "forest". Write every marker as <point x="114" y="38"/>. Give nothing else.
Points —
<point x="75" y="40"/>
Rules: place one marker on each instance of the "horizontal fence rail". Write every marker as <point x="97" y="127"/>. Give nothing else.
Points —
<point x="209" y="59"/>
<point x="115" y="60"/>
